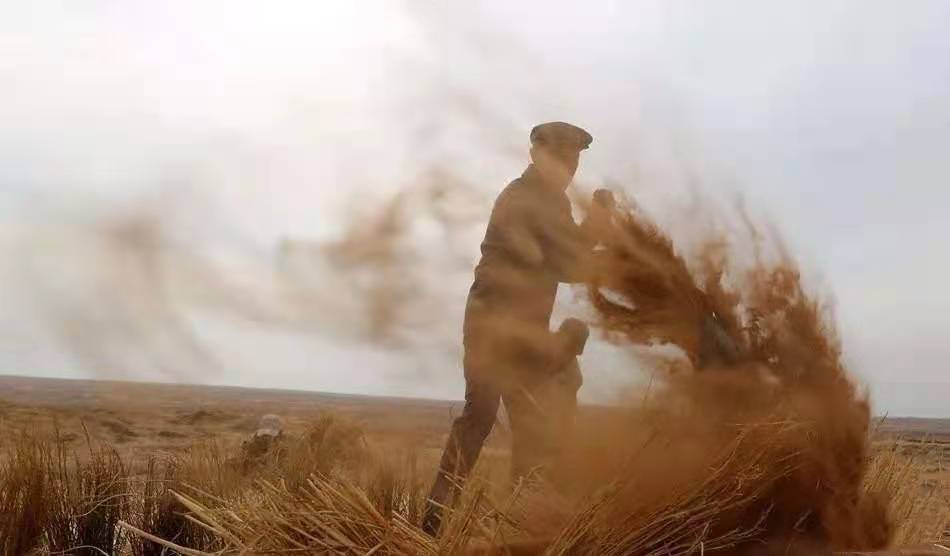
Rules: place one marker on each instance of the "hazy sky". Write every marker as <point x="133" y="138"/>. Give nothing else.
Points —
<point x="237" y="124"/>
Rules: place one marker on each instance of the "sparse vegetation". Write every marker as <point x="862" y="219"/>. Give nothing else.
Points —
<point x="329" y="490"/>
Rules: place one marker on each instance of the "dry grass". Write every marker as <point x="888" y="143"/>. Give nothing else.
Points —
<point x="687" y="520"/>
<point x="328" y="491"/>
<point x="919" y="505"/>
<point x="57" y="498"/>
<point x="52" y="497"/>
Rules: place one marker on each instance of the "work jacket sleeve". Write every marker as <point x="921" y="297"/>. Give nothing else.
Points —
<point x="565" y="245"/>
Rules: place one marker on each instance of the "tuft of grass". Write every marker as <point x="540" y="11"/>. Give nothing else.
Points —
<point x="157" y="511"/>
<point x="917" y="506"/>
<point x="26" y="493"/>
<point x="56" y="499"/>
<point x="92" y="495"/>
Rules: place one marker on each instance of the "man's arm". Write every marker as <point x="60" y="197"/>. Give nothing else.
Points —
<point x="567" y="246"/>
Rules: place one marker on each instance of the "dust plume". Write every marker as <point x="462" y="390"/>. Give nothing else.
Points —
<point x="761" y="436"/>
<point x="105" y="289"/>
<point x="387" y="259"/>
<point x="133" y="291"/>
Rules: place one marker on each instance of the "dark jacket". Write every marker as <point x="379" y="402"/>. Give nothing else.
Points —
<point x="532" y="243"/>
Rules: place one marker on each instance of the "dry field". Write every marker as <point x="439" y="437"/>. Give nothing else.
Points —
<point x="141" y="459"/>
<point x="145" y="417"/>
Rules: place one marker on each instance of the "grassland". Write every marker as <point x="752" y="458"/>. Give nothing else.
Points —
<point x="132" y="468"/>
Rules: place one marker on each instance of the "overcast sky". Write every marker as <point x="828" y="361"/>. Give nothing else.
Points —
<point x="236" y="124"/>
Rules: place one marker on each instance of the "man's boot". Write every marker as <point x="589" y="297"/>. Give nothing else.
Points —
<point x="432" y="518"/>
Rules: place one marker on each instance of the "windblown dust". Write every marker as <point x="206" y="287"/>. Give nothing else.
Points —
<point x="761" y="442"/>
<point x="138" y="291"/>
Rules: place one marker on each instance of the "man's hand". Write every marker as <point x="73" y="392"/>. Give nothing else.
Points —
<point x="600" y="215"/>
<point x="604" y="198"/>
<point x="573" y="334"/>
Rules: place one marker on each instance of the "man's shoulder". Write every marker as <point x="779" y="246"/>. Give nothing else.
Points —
<point x="515" y="187"/>
<point x="523" y="189"/>
<point x="513" y="195"/>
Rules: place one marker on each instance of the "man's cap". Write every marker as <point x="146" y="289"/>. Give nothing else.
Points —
<point x="560" y="135"/>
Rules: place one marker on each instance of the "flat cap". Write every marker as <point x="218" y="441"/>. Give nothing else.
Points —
<point x="560" y="134"/>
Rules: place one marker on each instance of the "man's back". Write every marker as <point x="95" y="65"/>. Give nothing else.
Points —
<point x="528" y="248"/>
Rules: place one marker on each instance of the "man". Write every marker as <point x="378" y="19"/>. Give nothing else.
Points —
<point x="531" y="244"/>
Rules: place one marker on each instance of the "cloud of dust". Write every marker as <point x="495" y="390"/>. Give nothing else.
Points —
<point x="761" y="435"/>
<point x="126" y="292"/>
